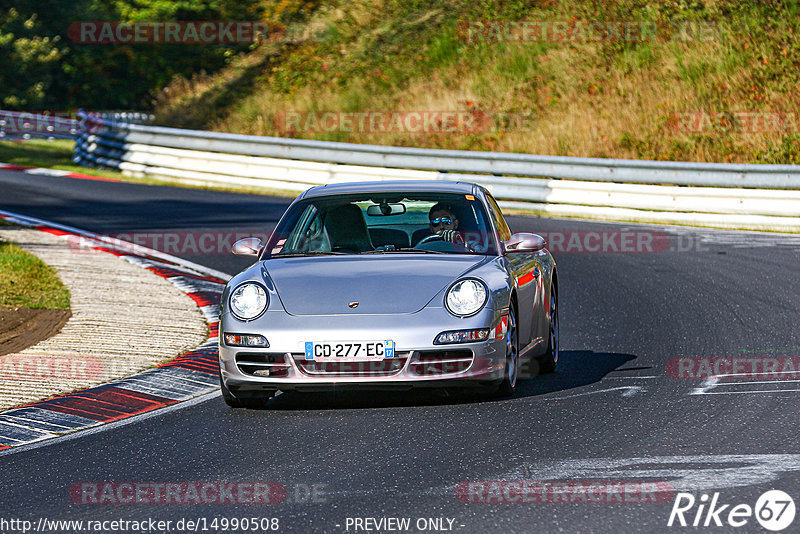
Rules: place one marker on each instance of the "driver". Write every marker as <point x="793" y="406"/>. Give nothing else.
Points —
<point x="444" y="223"/>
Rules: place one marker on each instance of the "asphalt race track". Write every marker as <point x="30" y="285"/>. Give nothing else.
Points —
<point x="616" y="411"/>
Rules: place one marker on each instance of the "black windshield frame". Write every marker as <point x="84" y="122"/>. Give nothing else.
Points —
<point x="474" y="205"/>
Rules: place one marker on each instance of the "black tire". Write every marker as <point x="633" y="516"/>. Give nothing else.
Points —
<point x="549" y="360"/>
<point x="508" y="386"/>
<point x="227" y="396"/>
<point x="255" y="401"/>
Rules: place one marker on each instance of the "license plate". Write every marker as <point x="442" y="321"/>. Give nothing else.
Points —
<point x="349" y="350"/>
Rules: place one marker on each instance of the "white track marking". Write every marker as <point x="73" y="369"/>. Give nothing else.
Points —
<point x="629" y="392"/>
<point x="714" y="382"/>
<point x="705" y="385"/>
<point x="791" y="381"/>
<point x="762" y="391"/>
<point x="628" y="377"/>
<point x="47" y="172"/>
<point x="684" y="473"/>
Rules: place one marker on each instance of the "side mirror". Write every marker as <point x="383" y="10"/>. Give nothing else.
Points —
<point x="249" y="246"/>
<point x="525" y="242"/>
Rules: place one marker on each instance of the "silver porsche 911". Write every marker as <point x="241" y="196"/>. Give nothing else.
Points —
<point x="389" y="285"/>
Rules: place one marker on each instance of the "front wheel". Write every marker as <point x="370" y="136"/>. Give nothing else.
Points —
<point x="509" y="383"/>
<point x="549" y="360"/>
<point x="254" y="401"/>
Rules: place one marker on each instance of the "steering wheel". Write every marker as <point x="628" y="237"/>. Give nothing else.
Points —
<point x="458" y="246"/>
<point x="428" y="239"/>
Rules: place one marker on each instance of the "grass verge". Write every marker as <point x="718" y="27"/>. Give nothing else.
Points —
<point x="55" y="154"/>
<point x="27" y="282"/>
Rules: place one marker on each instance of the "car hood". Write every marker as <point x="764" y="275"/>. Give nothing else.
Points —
<point x="381" y="284"/>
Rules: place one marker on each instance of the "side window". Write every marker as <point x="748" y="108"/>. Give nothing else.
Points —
<point x="499" y="221"/>
<point x="308" y="234"/>
<point x="315" y="237"/>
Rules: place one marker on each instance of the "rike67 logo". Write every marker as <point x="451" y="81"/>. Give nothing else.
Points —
<point x="774" y="510"/>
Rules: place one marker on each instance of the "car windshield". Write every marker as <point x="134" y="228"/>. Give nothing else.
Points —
<point x="384" y="223"/>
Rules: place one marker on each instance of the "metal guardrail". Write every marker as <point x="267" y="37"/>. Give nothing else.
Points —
<point x="125" y="117"/>
<point x="494" y="163"/>
<point x="708" y="194"/>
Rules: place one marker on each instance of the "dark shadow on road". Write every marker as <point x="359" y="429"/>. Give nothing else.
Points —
<point x="577" y="368"/>
<point x="148" y="214"/>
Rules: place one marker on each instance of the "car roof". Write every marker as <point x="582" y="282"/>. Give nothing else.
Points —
<point x="391" y="186"/>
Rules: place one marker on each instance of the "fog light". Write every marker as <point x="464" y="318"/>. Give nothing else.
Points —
<point x="246" y="340"/>
<point x="462" y="336"/>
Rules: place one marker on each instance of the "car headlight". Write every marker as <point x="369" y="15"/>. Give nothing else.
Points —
<point x="248" y="301"/>
<point x="466" y="297"/>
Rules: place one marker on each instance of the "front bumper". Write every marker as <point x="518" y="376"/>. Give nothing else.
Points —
<point x="417" y="363"/>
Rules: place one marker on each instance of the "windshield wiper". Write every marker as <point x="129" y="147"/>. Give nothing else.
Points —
<point x="404" y="250"/>
<point x="309" y="253"/>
